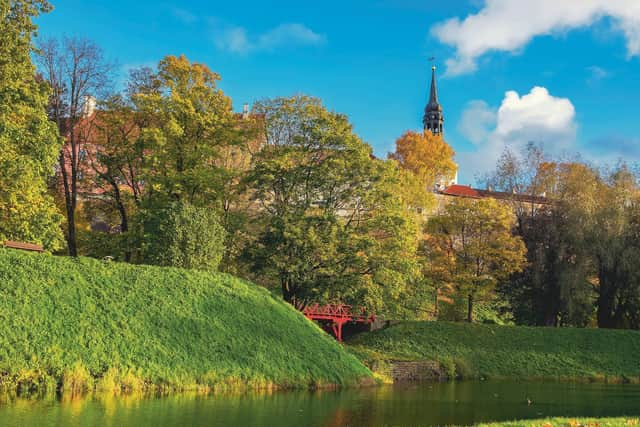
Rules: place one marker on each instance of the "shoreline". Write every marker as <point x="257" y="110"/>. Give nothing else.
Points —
<point x="43" y="387"/>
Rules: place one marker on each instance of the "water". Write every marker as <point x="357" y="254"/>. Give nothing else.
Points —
<point x="463" y="403"/>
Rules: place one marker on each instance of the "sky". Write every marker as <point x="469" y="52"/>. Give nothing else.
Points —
<point x="561" y="73"/>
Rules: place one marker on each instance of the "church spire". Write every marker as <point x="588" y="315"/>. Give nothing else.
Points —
<point x="433" y="96"/>
<point x="433" y="118"/>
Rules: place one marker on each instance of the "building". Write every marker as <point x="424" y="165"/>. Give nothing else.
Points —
<point x="519" y="202"/>
<point x="433" y="116"/>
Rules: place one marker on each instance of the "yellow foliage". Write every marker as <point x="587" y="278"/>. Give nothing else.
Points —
<point x="426" y="155"/>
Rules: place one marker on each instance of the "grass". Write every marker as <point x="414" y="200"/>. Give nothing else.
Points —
<point x="493" y="351"/>
<point x="569" y="422"/>
<point x="82" y="324"/>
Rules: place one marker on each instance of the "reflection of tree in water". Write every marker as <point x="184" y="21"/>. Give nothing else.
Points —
<point x="409" y="405"/>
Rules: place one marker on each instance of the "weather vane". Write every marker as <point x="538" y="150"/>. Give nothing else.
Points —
<point x="432" y="59"/>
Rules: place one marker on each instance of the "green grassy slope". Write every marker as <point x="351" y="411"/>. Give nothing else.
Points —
<point x="509" y="351"/>
<point x="569" y="422"/>
<point x="79" y="322"/>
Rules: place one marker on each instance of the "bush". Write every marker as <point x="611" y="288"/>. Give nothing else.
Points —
<point x="183" y="235"/>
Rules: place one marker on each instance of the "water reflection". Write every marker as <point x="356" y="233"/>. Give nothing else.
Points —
<point x="411" y="405"/>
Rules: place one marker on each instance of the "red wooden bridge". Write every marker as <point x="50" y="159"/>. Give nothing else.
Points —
<point x="333" y="317"/>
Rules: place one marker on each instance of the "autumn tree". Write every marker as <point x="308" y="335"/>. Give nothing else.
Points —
<point x="332" y="225"/>
<point x="472" y="240"/>
<point x="427" y="156"/>
<point x="78" y="73"/>
<point x="550" y="200"/>
<point x="28" y="141"/>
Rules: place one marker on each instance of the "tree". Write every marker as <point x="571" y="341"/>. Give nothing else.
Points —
<point x="472" y="239"/>
<point x="183" y="235"/>
<point x="118" y="157"/>
<point x="334" y="227"/>
<point x="612" y="237"/>
<point x="549" y="200"/>
<point x="189" y="121"/>
<point x="188" y="137"/>
<point x="28" y="142"/>
<point x="427" y="156"/>
<point x="77" y="73"/>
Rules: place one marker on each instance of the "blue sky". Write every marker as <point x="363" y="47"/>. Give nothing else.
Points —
<point x="560" y="72"/>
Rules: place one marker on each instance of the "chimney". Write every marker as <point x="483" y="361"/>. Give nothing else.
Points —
<point x="245" y="112"/>
<point x="88" y="106"/>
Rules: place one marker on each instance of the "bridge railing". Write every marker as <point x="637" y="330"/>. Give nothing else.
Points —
<point x="338" y="314"/>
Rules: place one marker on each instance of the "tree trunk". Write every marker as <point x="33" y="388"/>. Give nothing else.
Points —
<point x="287" y="290"/>
<point x="606" y="301"/>
<point x="71" y="234"/>
<point x="124" y="220"/>
<point x="70" y="208"/>
<point x="470" y="309"/>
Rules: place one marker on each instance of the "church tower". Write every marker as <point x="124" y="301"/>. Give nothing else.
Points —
<point x="433" y="118"/>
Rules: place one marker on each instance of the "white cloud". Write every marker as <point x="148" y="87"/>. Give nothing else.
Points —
<point x="289" y="34"/>
<point x="508" y="25"/>
<point x="237" y="39"/>
<point x="234" y="40"/>
<point x="612" y="148"/>
<point x="596" y="74"/>
<point x="476" y="121"/>
<point x="534" y="117"/>
<point x="184" y="15"/>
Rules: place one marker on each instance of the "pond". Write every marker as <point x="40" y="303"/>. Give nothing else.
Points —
<point x="462" y="403"/>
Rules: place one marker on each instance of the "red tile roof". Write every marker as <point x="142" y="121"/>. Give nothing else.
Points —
<point x="462" y="191"/>
<point x="474" y="193"/>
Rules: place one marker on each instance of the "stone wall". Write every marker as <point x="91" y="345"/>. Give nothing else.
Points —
<point x="427" y="370"/>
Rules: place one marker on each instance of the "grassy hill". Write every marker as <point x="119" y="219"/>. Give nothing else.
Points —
<point x="493" y="351"/>
<point x="79" y="323"/>
<point x="568" y="422"/>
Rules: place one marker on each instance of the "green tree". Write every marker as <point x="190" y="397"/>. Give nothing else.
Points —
<point x="183" y="235"/>
<point x="472" y="240"/>
<point x="188" y="122"/>
<point x="612" y="236"/>
<point x="335" y="227"/>
<point x="28" y="141"/>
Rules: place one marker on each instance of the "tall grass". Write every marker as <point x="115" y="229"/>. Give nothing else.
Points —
<point x="78" y="324"/>
<point x="569" y="422"/>
<point x="492" y="351"/>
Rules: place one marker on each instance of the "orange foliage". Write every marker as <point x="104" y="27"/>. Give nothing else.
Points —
<point x="426" y="155"/>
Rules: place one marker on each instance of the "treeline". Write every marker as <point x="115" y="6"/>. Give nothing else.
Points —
<point x="287" y="195"/>
<point x="582" y="248"/>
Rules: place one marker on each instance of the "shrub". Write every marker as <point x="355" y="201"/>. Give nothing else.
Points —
<point x="184" y="235"/>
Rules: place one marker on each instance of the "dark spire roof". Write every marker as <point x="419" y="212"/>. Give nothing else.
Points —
<point x="433" y="105"/>
<point x="433" y="119"/>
